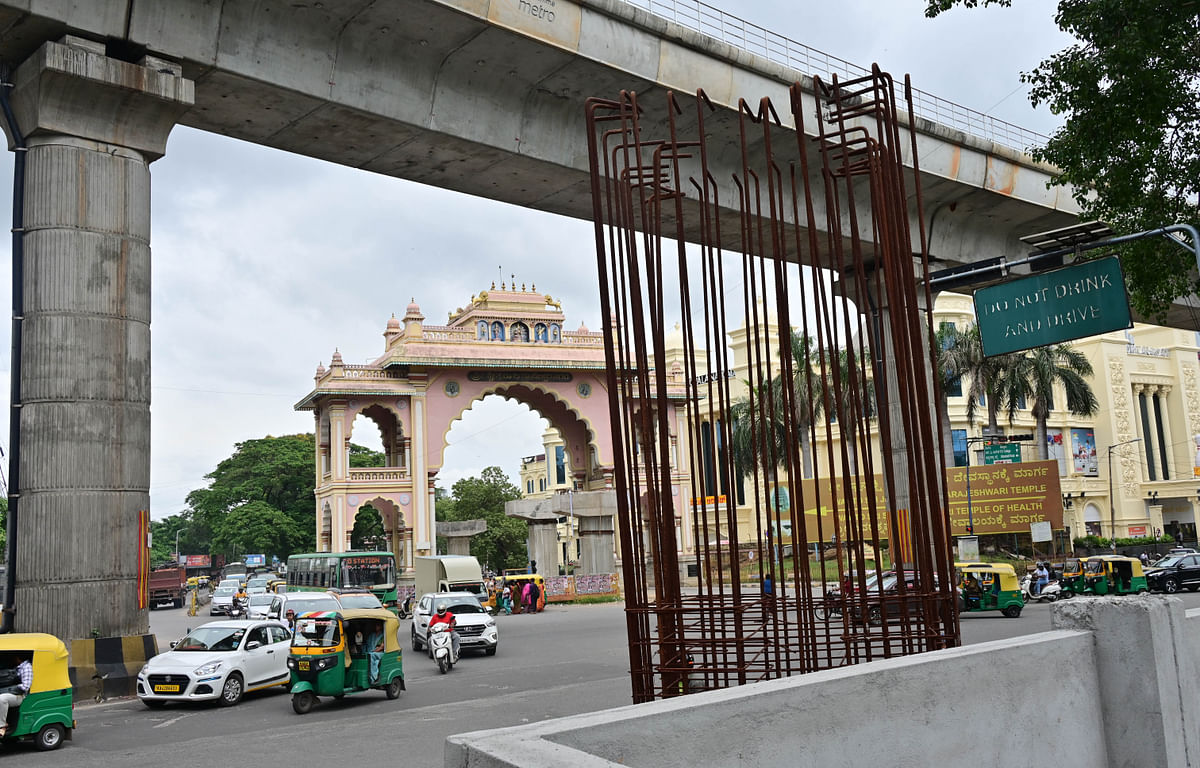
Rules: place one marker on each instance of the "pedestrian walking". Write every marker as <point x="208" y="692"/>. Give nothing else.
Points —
<point x="525" y="592"/>
<point x="506" y="599"/>
<point x="534" y="594"/>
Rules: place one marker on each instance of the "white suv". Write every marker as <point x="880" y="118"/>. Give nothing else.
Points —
<point x="476" y="629"/>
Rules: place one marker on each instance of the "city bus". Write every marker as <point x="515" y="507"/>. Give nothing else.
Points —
<point x="234" y="571"/>
<point x="319" y="571"/>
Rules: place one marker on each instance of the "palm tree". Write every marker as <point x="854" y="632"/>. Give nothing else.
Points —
<point x="990" y="382"/>
<point x="1034" y="375"/>
<point x="766" y="420"/>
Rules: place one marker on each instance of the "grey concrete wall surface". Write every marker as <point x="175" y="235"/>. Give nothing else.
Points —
<point x="1113" y="687"/>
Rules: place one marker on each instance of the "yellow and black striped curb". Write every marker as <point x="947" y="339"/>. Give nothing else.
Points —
<point x="107" y="667"/>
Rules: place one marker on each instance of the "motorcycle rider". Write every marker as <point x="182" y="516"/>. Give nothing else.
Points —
<point x="444" y="616"/>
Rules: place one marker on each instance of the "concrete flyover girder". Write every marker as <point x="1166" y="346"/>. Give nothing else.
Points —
<point x="486" y="97"/>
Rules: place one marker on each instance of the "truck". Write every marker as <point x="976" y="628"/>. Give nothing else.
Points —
<point x="449" y="573"/>
<point x="168" y="585"/>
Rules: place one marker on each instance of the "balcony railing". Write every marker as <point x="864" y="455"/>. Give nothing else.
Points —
<point x="378" y="474"/>
<point x="707" y="20"/>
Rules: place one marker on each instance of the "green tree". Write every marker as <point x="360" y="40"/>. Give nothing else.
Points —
<point x="368" y="533"/>
<point x="503" y="544"/>
<point x="257" y="526"/>
<point x="1129" y="90"/>
<point x="361" y="457"/>
<point x="1033" y="377"/>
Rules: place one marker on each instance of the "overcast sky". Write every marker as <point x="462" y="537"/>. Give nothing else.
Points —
<point x="264" y="261"/>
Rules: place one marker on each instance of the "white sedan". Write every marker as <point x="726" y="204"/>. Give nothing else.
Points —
<point x="221" y="661"/>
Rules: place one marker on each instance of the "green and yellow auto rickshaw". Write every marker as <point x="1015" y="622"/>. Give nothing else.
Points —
<point x="1114" y="575"/>
<point x="46" y="715"/>
<point x="335" y="653"/>
<point x="990" y="588"/>
<point x="1073" y="580"/>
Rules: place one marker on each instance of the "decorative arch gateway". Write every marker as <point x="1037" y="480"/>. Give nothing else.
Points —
<point x="506" y="342"/>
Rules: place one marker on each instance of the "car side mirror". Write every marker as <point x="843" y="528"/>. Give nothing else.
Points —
<point x="250" y="646"/>
<point x="273" y="615"/>
<point x="174" y="643"/>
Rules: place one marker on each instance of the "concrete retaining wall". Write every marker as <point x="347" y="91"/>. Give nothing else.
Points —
<point x="1117" y="667"/>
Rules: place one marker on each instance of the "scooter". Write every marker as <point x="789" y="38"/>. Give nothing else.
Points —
<point x="1051" y="592"/>
<point x="406" y="607"/>
<point x="236" y="610"/>
<point x="441" y="646"/>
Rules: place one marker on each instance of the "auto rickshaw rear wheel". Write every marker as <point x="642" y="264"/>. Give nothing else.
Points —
<point x="51" y="737"/>
<point x="393" y="688"/>
<point x="303" y="702"/>
<point x="1012" y="611"/>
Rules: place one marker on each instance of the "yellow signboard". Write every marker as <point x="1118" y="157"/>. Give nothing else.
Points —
<point x="865" y="496"/>
<point x="1005" y="498"/>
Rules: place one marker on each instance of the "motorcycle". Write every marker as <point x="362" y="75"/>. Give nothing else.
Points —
<point x="237" y="609"/>
<point x="441" y="646"/>
<point x="1051" y="592"/>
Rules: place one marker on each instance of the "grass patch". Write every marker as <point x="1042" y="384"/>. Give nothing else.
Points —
<point x="586" y="599"/>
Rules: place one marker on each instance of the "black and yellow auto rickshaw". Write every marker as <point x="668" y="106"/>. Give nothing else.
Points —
<point x="990" y="588"/>
<point x="1114" y="575"/>
<point x="334" y="653"/>
<point x="46" y="715"/>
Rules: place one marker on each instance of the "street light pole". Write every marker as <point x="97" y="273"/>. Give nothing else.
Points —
<point x="1112" y="499"/>
<point x="177" y="546"/>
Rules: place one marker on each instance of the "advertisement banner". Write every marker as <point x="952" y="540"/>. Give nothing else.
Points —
<point x="1196" y="463"/>
<point x="198" y="561"/>
<point x="1005" y="498"/>
<point x="1137" y="530"/>
<point x="252" y="560"/>
<point x="1083" y="453"/>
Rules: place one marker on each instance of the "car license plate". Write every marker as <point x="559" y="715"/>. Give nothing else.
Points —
<point x="166" y="689"/>
<point x="304" y="666"/>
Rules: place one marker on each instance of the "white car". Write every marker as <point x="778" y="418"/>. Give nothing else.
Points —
<point x="264" y="605"/>
<point x="476" y="629"/>
<point x="220" y="661"/>
<point x="222" y="599"/>
<point x="307" y="602"/>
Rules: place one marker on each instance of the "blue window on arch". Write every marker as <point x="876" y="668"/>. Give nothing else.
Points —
<point x="519" y="332"/>
<point x="483" y="329"/>
<point x="497" y="331"/>
<point x="540" y="333"/>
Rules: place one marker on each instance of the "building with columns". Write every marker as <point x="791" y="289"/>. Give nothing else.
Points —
<point x="1146" y="382"/>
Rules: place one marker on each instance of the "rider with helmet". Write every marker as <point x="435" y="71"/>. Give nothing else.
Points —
<point x="444" y="616"/>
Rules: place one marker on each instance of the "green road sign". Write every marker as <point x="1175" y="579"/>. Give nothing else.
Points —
<point x="1069" y="303"/>
<point x="1002" y="453"/>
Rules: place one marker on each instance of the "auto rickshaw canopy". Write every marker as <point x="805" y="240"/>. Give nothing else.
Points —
<point x="1109" y="561"/>
<point x="49" y="658"/>
<point x="391" y="624"/>
<point x="989" y="574"/>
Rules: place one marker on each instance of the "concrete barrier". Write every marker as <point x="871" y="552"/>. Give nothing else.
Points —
<point x="107" y="667"/>
<point x="1073" y="688"/>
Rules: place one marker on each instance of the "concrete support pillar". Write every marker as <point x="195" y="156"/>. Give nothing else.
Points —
<point x="596" y="554"/>
<point x="543" y="546"/>
<point x="92" y="125"/>
<point x="1149" y="692"/>
<point x="458" y="534"/>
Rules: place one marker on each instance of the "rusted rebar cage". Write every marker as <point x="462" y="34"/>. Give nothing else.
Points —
<point x="812" y="447"/>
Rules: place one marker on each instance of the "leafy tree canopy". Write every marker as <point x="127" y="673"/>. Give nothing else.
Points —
<point x="368" y="533"/>
<point x="1129" y="90"/>
<point x="503" y="544"/>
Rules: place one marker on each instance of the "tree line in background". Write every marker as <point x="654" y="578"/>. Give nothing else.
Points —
<point x="260" y="501"/>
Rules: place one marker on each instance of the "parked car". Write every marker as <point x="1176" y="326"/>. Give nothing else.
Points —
<point x="222" y="599"/>
<point x="476" y="628"/>
<point x="1174" y="572"/>
<point x="220" y="661"/>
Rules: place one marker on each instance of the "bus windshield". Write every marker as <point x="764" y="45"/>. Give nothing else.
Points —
<point x="368" y="571"/>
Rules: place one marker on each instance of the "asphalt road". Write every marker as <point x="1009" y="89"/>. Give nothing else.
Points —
<point x="567" y="660"/>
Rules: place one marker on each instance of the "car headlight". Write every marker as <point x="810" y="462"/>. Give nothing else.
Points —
<point x="207" y="669"/>
<point x="489" y="623"/>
